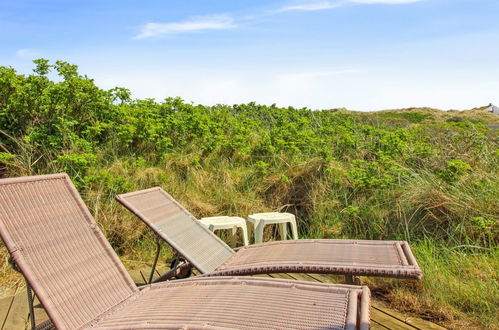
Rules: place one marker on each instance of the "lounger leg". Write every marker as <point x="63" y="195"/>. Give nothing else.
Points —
<point x="158" y="249"/>
<point x="284" y="230"/>
<point x="354" y="280"/>
<point x="30" y="295"/>
<point x="187" y="268"/>
<point x="31" y="308"/>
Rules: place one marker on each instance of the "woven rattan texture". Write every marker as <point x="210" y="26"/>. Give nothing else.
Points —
<point x="356" y="257"/>
<point x="59" y="248"/>
<point x="178" y="227"/>
<point x="240" y="303"/>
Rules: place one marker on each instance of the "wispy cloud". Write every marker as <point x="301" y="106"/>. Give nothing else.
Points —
<point x="225" y="22"/>
<point x="26" y="53"/>
<point x="317" y="74"/>
<point x="311" y="6"/>
<point x="324" y="5"/>
<point x="394" y="2"/>
<point x="195" y="24"/>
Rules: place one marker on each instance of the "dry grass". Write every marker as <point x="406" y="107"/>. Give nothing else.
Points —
<point x="436" y="115"/>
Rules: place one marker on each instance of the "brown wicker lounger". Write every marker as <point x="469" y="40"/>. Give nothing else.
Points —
<point x="211" y="256"/>
<point x="81" y="283"/>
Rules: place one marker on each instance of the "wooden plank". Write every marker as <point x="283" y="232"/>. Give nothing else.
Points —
<point x="6" y="303"/>
<point x="18" y="315"/>
<point x="413" y="321"/>
<point x="18" y="312"/>
<point x="302" y="277"/>
<point x="388" y="321"/>
<point x="261" y="275"/>
<point x="325" y="278"/>
<point x="5" y="306"/>
<point x="377" y="326"/>
<point x="281" y="275"/>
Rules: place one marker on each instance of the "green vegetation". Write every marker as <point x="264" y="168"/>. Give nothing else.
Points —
<point x="421" y="175"/>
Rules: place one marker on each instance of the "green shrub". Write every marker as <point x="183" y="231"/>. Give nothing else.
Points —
<point x="454" y="170"/>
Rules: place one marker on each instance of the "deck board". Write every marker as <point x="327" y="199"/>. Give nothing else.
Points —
<point x="5" y="307"/>
<point x="377" y="326"/>
<point x="17" y="317"/>
<point x="417" y="323"/>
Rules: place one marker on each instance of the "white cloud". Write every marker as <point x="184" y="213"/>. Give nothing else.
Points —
<point x="218" y="22"/>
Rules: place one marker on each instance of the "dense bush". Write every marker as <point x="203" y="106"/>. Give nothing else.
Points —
<point x="69" y="124"/>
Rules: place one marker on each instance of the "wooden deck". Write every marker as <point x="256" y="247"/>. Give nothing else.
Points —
<point x="14" y="308"/>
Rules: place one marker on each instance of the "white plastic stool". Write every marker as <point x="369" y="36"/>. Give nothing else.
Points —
<point x="260" y="220"/>
<point x="224" y="222"/>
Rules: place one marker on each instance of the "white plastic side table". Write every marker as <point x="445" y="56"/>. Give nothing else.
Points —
<point x="224" y="222"/>
<point x="260" y="220"/>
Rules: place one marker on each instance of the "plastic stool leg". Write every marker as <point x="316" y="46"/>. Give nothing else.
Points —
<point x="234" y="237"/>
<point x="245" y="234"/>
<point x="284" y="230"/>
<point x="258" y="232"/>
<point x="294" y="229"/>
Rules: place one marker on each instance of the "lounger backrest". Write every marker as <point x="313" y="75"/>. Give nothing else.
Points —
<point x="59" y="248"/>
<point x="179" y="228"/>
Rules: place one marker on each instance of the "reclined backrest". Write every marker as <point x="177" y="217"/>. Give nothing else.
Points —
<point x="172" y="222"/>
<point x="59" y="248"/>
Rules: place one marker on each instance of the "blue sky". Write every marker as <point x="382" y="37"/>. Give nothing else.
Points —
<point x="359" y="54"/>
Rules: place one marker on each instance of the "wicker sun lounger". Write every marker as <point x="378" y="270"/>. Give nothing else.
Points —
<point x="211" y="256"/>
<point x="81" y="283"/>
